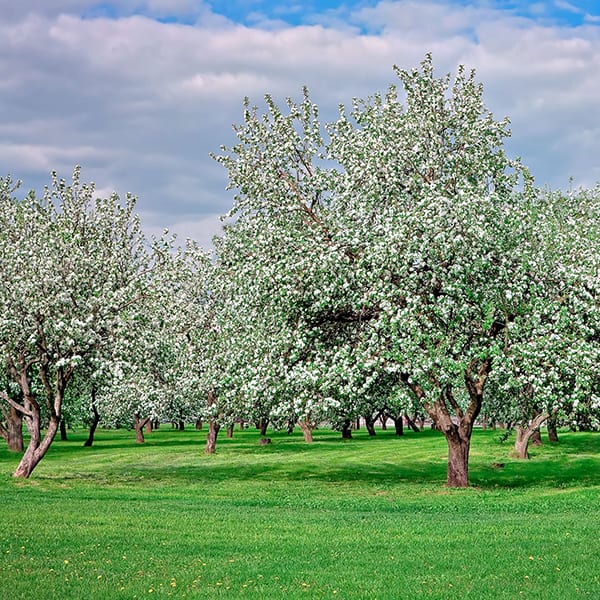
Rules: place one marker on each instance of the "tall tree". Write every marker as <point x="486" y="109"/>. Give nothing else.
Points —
<point x="401" y="245"/>
<point x="75" y="273"/>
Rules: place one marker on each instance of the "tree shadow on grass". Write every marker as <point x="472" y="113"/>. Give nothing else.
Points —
<point x="382" y="460"/>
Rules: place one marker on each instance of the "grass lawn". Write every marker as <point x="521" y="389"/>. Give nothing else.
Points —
<point x="365" y="518"/>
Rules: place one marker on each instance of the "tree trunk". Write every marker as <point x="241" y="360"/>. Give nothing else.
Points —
<point x="198" y="424"/>
<point x="536" y="438"/>
<point x="398" y="424"/>
<point x="148" y="426"/>
<point x="95" y="420"/>
<point x="230" y="431"/>
<point x="524" y="434"/>
<point x="458" y="458"/>
<point x="262" y="427"/>
<point x="13" y="432"/>
<point x="211" y="438"/>
<point x="370" y="425"/>
<point x="63" y="430"/>
<point x="412" y="424"/>
<point x="458" y="435"/>
<point x="138" y="425"/>
<point x="522" y="441"/>
<point x="347" y="430"/>
<point x="37" y="447"/>
<point x="383" y="420"/>
<point x="306" y="428"/>
<point x="181" y="425"/>
<point x="552" y="430"/>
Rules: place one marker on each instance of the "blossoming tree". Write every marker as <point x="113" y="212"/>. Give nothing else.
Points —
<point x="75" y="271"/>
<point x="400" y="246"/>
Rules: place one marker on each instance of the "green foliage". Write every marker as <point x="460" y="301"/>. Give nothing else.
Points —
<point x="365" y="519"/>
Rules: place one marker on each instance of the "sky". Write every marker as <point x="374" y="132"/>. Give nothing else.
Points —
<point x="140" y="92"/>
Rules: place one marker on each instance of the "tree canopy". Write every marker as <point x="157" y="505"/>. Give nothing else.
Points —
<point x="394" y="260"/>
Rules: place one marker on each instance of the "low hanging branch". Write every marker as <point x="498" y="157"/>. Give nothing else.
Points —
<point x="15" y="404"/>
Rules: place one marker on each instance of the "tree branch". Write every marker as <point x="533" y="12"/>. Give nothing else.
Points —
<point x="453" y="403"/>
<point x="15" y="404"/>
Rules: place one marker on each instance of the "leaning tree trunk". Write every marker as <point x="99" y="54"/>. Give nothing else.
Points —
<point x="138" y="425"/>
<point x="55" y="388"/>
<point x="38" y="446"/>
<point x="525" y="433"/>
<point x="94" y="424"/>
<point x="306" y="428"/>
<point x="370" y="425"/>
<point x="412" y="424"/>
<point x="211" y="437"/>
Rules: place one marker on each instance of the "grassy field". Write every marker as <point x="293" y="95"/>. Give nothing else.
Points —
<point x="364" y="518"/>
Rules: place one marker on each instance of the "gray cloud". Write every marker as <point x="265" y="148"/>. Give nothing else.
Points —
<point x="140" y="103"/>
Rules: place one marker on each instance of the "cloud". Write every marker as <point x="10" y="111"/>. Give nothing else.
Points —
<point x="140" y="99"/>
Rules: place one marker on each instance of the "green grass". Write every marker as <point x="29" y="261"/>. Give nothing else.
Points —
<point x="367" y="518"/>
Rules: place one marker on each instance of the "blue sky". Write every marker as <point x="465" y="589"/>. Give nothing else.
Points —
<point x="139" y="92"/>
<point x="251" y="12"/>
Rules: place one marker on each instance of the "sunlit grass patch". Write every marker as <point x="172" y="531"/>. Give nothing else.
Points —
<point x="368" y="518"/>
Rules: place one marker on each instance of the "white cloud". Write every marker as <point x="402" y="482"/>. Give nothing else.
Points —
<point x="140" y="103"/>
<point x="568" y="7"/>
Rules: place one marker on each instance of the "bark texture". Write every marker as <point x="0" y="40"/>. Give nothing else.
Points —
<point x="457" y="430"/>
<point x="138" y="424"/>
<point x="54" y="387"/>
<point x="213" y="426"/>
<point x="370" y="424"/>
<point x="412" y="424"/>
<point x="524" y="434"/>
<point x="306" y="428"/>
<point x="12" y="430"/>
<point x="211" y="437"/>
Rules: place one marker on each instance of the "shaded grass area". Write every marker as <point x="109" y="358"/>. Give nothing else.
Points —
<point x="365" y="518"/>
